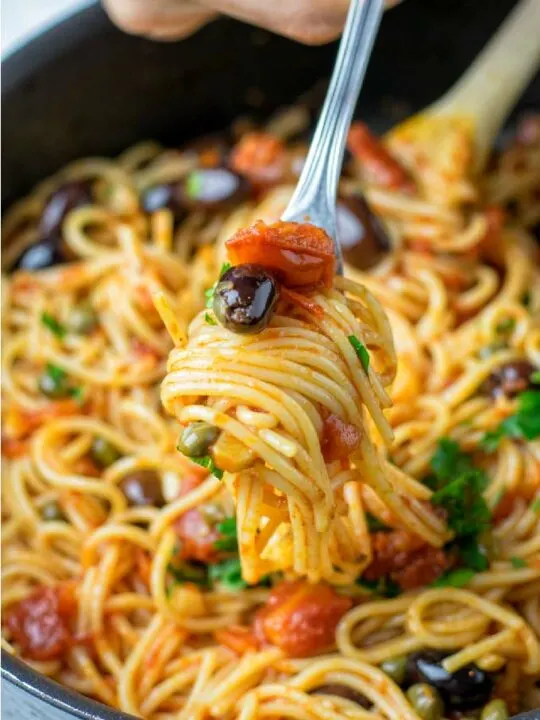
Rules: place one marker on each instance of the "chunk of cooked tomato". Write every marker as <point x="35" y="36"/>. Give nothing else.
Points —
<point x="407" y="559"/>
<point x="301" y="254"/>
<point x="40" y="624"/>
<point x="339" y="438"/>
<point x="301" y="618"/>
<point x="379" y="166"/>
<point x="197" y="537"/>
<point x="260" y="156"/>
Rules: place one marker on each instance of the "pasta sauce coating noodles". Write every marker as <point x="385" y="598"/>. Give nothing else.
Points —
<point x="317" y="522"/>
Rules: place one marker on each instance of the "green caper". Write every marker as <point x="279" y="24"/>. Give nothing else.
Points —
<point x="196" y="439"/>
<point x="51" y="511"/>
<point x="103" y="452"/>
<point x="82" y="319"/>
<point x="426" y="701"/>
<point x="54" y="382"/>
<point x="396" y="668"/>
<point x="495" y="710"/>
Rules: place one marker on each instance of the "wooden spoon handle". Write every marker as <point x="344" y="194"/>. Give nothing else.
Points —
<point x="489" y="89"/>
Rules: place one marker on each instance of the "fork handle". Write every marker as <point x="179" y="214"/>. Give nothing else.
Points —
<point x="314" y="199"/>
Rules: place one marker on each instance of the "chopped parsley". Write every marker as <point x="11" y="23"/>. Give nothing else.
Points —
<point x="56" y="373"/>
<point x="209" y="294"/>
<point x="77" y="393"/>
<point x="360" y="350"/>
<point x="454" y="578"/>
<point x="376" y="525"/>
<point x="193" y="185"/>
<point x="208" y="319"/>
<point x="535" y="377"/>
<point x="473" y="553"/>
<point x="188" y="572"/>
<point x="228" y="573"/>
<point x="524" y="424"/>
<point x="228" y="541"/>
<point x="518" y="562"/>
<point x="458" y="486"/>
<point x="207" y="462"/>
<point x="54" y="382"/>
<point x="535" y="506"/>
<point x="52" y="324"/>
<point x="383" y="586"/>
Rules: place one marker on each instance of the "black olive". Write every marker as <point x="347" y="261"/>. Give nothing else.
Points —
<point x="143" y="487"/>
<point x="214" y="188"/>
<point x="510" y="379"/>
<point x="363" y="239"/>
<point x="244" y="298"/>
<point x="165" y="195"/>
<point x="466" y="689"/>
<point x="39" y="256"/>
<point x="69" y="196"/>
<point x="343" y="691"/>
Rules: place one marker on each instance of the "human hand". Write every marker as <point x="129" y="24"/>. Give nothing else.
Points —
<point x="310" y="21"/>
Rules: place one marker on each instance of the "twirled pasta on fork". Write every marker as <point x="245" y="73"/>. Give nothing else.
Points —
<point x="280" y="389"/>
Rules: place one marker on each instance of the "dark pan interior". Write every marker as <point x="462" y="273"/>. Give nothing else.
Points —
<point x="85" y="88"/>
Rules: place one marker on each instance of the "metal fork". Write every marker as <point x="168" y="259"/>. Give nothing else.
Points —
<point x="314" y="199"/>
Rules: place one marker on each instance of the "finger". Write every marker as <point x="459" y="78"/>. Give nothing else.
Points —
<point x="310" y="21"/>
<point x="166" y="19"/>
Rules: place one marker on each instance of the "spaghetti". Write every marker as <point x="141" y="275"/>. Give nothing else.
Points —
<point x="301" y="583"/>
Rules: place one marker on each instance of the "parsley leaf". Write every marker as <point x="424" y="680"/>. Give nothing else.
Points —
<point x="207" y="462"/>
<point x="376" y="525"/>
<point x="52" y="324"/>
<point x="360" y="350"/>
<point x="187" y="572"/>
<point x="208" y="319"/>
<point x="228" y="541"/>
<point x="209" y="294"/>
<point x="228" y="573"/>
<point x="77" y="393"/>
<point x="473" y="553"/>
<point x="458" y="487"/>
<point x="56" y="373"/>
<point x="193" y="185"/>
<point x="518" y="562"/>
<point x="535" y="506"/>
<point x="383" y="586"/>
<point x="463" y="501"/>
<point x="524" y="424"/>
<point x="454" y="578"/>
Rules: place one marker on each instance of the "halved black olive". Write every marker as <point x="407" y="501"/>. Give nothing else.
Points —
<point x="343" y="691"/>
<point x="165" y="195"/>
<point x="214" y="188"/>
<point x="510" y="379"/>
<point x="244" y="298"/>
<point x="143" y="487"/>
<point x="41" y="255"/>
<point x="363" y="239"/>
<point x="466" y="689"/>
<point x="67" y="197"/>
